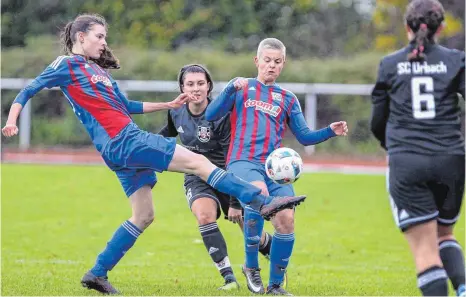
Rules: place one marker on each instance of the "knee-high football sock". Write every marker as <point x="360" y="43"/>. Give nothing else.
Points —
<point x="280" y="254"/>
<point x="123" y="239"/>
<point x="216" y="247"/>
<point x="264" y="248"/>
<point x="433" y="282"/>
<point x="230" y="184"/>
<point x="453" y="262"/>
<point x="253" y="226"/>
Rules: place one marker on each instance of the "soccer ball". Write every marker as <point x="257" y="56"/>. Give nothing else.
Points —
<point x="284" y="166"/>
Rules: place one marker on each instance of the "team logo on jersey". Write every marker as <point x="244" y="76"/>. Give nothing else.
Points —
<point x="100" y="78"/>
<point x="203" y="133"/>
<point x="277" y="97"/>
<point x="263" y="106"/>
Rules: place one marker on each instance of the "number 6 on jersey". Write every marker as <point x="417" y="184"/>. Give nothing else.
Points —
<point x="423" y="103"/>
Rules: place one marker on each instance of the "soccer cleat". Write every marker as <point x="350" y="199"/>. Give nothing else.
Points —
<point x="230" y="285"/>
<point x="461" y="291"/>
<point x="253" y="279"/>
<point x="98" y="283"/>
<point x="274" y="204"/>
<point x="277" y="290"/>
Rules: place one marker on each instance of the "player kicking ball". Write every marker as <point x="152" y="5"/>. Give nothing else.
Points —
<point x="133" y="154"/>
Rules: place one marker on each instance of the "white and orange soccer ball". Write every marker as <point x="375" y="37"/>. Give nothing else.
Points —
<point x="284" y="166"/>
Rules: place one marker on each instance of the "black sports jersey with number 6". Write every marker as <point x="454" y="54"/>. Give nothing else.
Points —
<point x="416" y="104"/>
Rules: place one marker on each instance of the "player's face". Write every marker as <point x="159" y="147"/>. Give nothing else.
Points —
<point x="196" y="84"/>
<point x="269" y="64"/>
<point x="94" y="41"/>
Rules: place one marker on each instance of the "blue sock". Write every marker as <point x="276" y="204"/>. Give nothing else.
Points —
<point x="121" y="242"/>
<point x="253" y="226"/>
<point x="228" y="183"/>
<point x="282" y="247"/>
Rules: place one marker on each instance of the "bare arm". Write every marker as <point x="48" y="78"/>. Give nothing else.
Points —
<point x="56" y="74"/>
<point x="10" y="128"/>
<point x="179" y="101"/>
<point x="138" y="107"/>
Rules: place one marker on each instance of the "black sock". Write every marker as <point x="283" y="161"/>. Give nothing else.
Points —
<point x="216" y="247"/>
<point x="433" y="282"/>
<point x="453" y="261"/>
<point x="264" y="248"/>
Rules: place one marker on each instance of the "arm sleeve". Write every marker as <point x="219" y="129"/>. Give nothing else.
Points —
<point x="225" y="134"/>
<point x="222" y="104"/>
<point x="169" y="129"/>
<point x="225" y="138"/>
<point x="56" y="74"/>
<point x="304" y="135"/>
<point x="134" y="107"/>
<point x="461" y="80"/>
<point x="380" y="107"/>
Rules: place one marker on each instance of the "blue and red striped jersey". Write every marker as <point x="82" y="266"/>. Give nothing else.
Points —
<point x="92" y="93"/>
<point x="259" y="116"/>
<point x="258" y="119"/>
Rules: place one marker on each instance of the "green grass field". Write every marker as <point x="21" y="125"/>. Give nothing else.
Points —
<point x="56" y="219"/>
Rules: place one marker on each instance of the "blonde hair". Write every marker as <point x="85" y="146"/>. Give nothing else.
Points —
<point x="271" y="43"/>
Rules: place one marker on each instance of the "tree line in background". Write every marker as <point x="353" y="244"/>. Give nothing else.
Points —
<point x="333" y="43"/>
<point x="308" y="27"/>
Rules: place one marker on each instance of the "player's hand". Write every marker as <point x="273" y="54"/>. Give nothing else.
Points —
<point x="180" y="100"/>
<point x="10" y="130"/>
<point x="235" y="215"/>
<point x="339" y="128"/>
<point x="240" y="83"/>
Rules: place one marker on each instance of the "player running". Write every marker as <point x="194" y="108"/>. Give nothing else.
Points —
<point x="133" y="154"/>
<point x="416" y="118"/>
<point x="260" y="110"/>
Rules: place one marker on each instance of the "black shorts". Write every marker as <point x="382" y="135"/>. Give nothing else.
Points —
<point x="196" y="188"/>
<point x="424" y="188"/>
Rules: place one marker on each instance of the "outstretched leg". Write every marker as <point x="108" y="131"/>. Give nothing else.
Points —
<point x="186" y="161"/>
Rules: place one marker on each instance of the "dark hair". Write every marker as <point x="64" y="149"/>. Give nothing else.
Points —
<point x="84" y="23"/>
<point x="195" y="68"/>
<point x="424" y="17"/>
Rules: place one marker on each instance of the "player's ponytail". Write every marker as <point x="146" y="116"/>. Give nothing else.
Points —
<point x="83" y="23"/>
<point x="417" y="54"/>
<point x="107" y="60"/>
<point x="423" y="17"/>
<point x="67" y="42"/>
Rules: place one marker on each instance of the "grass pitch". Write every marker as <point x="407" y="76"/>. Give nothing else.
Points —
<point x="56" y="219"/>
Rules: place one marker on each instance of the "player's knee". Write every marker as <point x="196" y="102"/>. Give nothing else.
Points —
<point x="144" y="219"/>
<point x="205" y="217"/>
<point x="261" y="185"/>
<point x="283" y="221"/>
<point x="444" y="231"/>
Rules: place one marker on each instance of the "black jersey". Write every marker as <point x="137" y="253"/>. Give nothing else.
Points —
<point x="416" y="104"/>
<point x="210" y="139"/>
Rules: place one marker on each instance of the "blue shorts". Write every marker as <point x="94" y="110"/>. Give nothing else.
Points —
<point x="135" y="154"/>
<point x="250" y="172"/>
